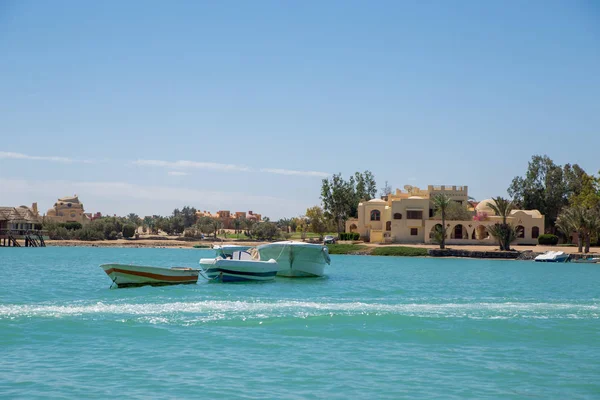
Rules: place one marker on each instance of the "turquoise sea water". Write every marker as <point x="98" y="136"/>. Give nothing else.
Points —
<point x="376" y="327"/>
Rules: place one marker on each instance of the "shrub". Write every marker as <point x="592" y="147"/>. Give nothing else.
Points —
<point x="59" y="233"/>
<point x="128" y="231"/>
<point x="88" y="234"/>
<point x="548" y="239"/>
<point x="349" y="236"/>
<point x="72" y="226"/>
<point x="113" y="236"/>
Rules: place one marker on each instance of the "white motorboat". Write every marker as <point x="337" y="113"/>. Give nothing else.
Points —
<point x="297" y="259"/>
<point x="242" y="266"/>
<point x="552" y="256"/>
<point x="125" y="275"/>
<point x="227" y="250"/>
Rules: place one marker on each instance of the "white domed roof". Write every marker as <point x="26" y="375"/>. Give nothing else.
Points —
<point x="484" y="207"/>
<point x="415" y="197"/>
<point x="376" y="201"/>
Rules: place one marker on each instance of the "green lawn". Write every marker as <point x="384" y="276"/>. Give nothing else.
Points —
<point x="399" y="251"/>
<point x="345" y="248"/>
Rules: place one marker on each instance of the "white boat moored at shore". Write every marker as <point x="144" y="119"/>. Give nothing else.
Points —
<point x="297" y="259"/>
<point x="552" y="256"/>
<point x="126" y="275"/>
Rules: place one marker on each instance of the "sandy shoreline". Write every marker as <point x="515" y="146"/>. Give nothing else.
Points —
<point x="174" y="243"/>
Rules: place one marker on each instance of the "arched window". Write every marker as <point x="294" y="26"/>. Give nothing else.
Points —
<point x="375" y="215"/>
<point x="397" y="216"/>
<point x="388" y="226"/>
<point x="520" y="232"/>
<point x="535" y="232"/>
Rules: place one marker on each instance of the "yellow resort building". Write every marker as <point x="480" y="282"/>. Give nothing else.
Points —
<point x="68" y="209"/>
<point x="409" y="217"/>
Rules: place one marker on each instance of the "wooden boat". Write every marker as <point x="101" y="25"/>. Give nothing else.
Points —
<point x="240" y="267"/>
<point x="125" y="275"/>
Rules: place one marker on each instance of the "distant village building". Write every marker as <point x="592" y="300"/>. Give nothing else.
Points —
<point x="408" y="217"/>
<point x="228" y="219"/>
<point x="68" y="209"/>
<point x="19" y="219"/>
<point x="21" y="226"/>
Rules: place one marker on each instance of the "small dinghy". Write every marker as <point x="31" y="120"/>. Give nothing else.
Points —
<point x="239" y="268"/>
<point x="125" y="275"/>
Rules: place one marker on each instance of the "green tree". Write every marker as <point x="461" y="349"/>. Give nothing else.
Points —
<point x="338" y="198"/>
<point x="134" y="219"/>
<point x="317" y="221"/>
<point x="237" y="224"/>
<point x="455" y="212"/>
<point x="572" y="220"/>
<point x="441" y="203"/>
<point x="543" y="188"/>
<point x="265" y="230"/>
<point x="128" y="231"/>
<point x="504" y="232"/>
<point x="588" y="195"/>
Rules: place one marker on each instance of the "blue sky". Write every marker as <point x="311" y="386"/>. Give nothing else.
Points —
<point x="147" y="106"/>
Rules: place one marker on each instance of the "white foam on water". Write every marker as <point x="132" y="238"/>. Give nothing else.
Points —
<point x="213" y="310"/>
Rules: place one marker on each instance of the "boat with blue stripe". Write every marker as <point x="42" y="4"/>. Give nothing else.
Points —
<point x="242" y="266"/>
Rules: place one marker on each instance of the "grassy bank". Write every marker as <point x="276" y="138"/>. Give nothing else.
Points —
<point x="400" y="251"/>
<point x="347" y="248"/>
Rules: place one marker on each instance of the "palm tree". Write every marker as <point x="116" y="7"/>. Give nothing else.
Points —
<point x="571" y="220"/>
<point x="592" y="225"/>
<point x="504" y="232"/>
<point x="501" y="207"/>
<point x="441" y="202"/>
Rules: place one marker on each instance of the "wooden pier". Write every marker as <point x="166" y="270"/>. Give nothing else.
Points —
<point x="28" y="238"/>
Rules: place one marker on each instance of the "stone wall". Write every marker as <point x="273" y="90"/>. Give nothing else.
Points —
<point x="473" y="254"/>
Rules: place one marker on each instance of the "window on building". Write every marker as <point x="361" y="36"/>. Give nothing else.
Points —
<point x="535" y="232"/>
<point x="414" y="231"/>
<point x="411" y="214"/>
<point x="388" y="226"/>
<point x="375" y="215"/>
<point x="397" y="216"/>
<point x="520" y="231"/>
<point x="431" y="211"/>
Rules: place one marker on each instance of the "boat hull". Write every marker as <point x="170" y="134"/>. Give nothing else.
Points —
<point x="124" y="275"/>
<point x="227" y="270"/>
<point x="552" y="256"/>
<point x="297" y="259"/>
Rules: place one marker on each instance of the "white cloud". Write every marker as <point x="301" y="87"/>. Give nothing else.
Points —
<point x="177" y="173"/>
<point x="184" y="164"/>
<point x="21" y="156"/>
<point x="295" y="172"/>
